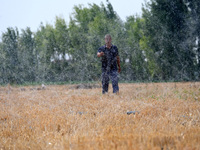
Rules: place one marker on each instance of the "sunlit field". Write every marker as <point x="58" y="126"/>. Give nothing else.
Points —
<point x="167" y="117"/>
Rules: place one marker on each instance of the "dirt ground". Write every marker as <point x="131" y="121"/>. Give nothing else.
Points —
<point x="160" y="116"/>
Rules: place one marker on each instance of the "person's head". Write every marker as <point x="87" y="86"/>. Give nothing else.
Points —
<point x="108" y="39"/>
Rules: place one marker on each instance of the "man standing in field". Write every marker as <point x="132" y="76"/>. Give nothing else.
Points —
<point x="110" y="60"/>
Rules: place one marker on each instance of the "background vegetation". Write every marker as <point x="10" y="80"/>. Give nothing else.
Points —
<point x="160" y="45"/>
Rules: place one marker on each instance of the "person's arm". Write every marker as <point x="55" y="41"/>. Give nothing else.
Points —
<point x="118" y="64"/>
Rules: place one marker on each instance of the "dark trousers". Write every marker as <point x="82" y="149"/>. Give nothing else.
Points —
<point x="105" y="81"/>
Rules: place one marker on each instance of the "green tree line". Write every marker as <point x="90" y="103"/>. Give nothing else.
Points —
<point x="160" y="45"/>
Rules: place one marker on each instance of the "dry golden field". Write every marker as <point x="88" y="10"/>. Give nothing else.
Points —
<point x="62" y="117"/>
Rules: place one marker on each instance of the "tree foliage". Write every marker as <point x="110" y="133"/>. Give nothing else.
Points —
<point x="162" y="44"/>
<point x="166" y="26"/>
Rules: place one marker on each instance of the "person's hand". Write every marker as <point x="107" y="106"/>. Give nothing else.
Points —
<point x="100" y="54"/>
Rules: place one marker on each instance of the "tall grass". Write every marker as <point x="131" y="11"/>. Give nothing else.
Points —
<point x="62" y="117"/>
